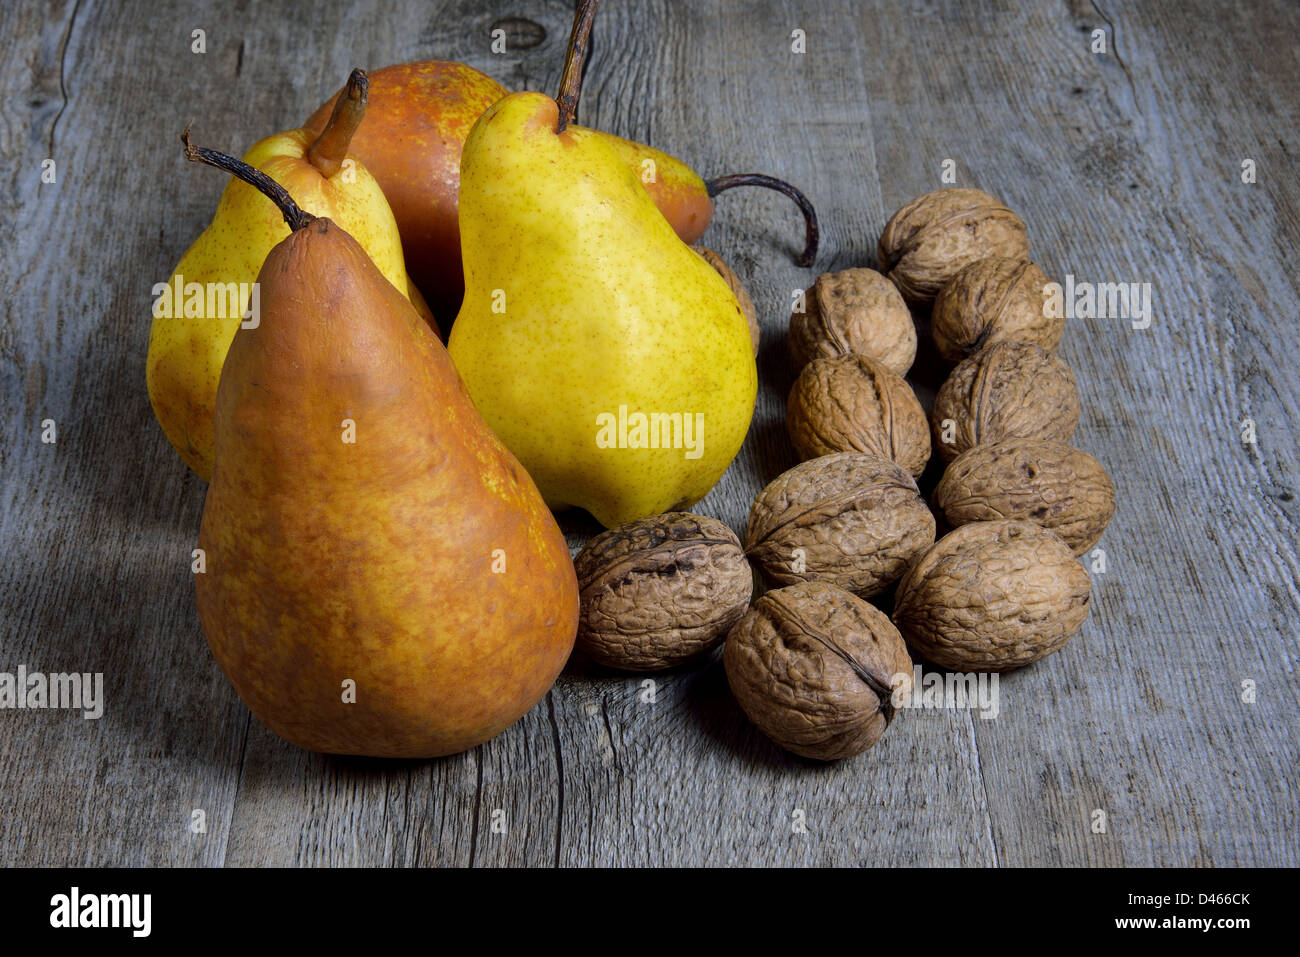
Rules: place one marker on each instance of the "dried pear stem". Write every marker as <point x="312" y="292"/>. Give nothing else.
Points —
<point x="812" y="233"/>
<point x="571" y="79"/>
<point x="330" y="149"/>
<point x="294" y="215"/>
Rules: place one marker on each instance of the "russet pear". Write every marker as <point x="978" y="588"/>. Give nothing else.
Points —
<point x="417" y="118"/>
<point x="382" y="577"/>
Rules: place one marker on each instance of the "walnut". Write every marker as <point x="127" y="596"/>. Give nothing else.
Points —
<point x="660" y="590"/>
<point x="852" y="403"/>
<point x="857" y="310"/>
<point x="993" y="300"/>
<point x="933" y="237"/>
<point x="850" y="519"/>
<point x="1009" y="390"/>
<point x="814" y="667"/>
<point x="1049" y="483"/>
<point x="992" y="596"/>
<point x="737" y="287"/>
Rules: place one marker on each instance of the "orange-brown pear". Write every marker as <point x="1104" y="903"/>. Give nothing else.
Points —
<point x="382" y="577"/>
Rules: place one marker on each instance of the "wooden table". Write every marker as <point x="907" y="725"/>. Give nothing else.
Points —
<point x="1164" y="735"/>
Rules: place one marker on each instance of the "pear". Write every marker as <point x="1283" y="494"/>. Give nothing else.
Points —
<point x="612" y="360"/>
<point x="416" y="123"/>
<point x="382" y="577"/>
<point x="191" y="332"/>
<point x="417" y="119"/>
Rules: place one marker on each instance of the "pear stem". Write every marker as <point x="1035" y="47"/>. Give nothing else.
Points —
<point x="812" y="232"/>
<point x="330" y="149"/>
<point x="294" y="215"/>
<point x="571" y="79"/>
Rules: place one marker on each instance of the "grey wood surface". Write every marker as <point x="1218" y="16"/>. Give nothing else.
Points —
<point x="1126" y="166"/>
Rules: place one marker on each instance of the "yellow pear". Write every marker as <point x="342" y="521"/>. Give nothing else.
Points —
<point x="196" y="315"/>
<point x="613" y="361"/>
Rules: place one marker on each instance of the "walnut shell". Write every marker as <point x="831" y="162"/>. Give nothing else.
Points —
<point x="992" y="596"/>
<point x="737" y="287"/>
<point x="856" y="310"/>
<point x="660" y="590"/>
<point x="852" y="403"/>
<point x="935" y="236"/>
<point x="1009" y="390"/>
<point x="814" y="667"/>
<point x="1049" y="483"/>
<point x="851" y="519"/>
<point x="993" y="300"/>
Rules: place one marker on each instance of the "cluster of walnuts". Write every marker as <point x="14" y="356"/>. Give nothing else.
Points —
<point x="811" y="661"/>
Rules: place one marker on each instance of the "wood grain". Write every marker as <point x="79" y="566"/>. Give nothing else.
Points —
<point x="1126" y="166"/>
